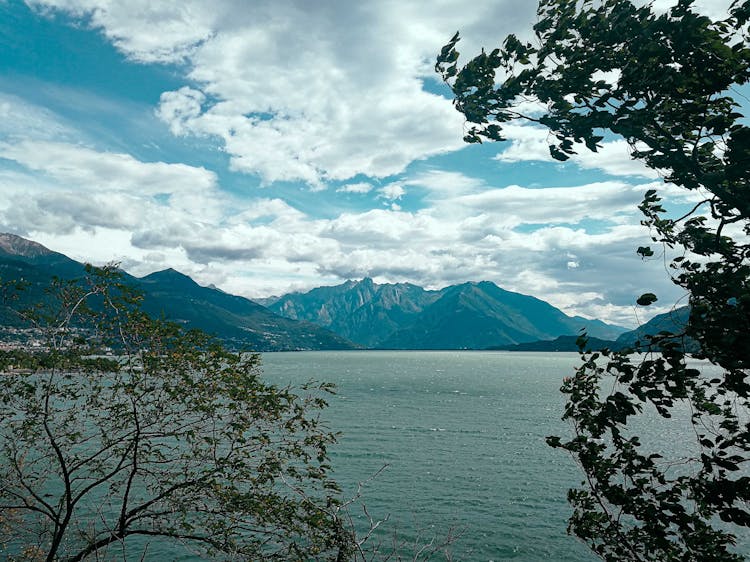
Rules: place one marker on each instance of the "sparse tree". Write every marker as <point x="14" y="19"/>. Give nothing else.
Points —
<point x="171" y="438"/>
<point x="667" y="83"/>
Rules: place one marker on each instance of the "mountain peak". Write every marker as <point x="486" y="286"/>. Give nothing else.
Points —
<point x="17" y="246"/>
<point x="169" y="274"/>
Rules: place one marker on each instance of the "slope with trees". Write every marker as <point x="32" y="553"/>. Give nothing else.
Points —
<point x="664" y="82"/>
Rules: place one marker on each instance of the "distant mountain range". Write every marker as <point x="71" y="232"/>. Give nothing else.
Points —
<point x="355" y="314"/>
<point x="238" y="321"/>
<point x="673" y="322"/>
<point x="405" y="316"/>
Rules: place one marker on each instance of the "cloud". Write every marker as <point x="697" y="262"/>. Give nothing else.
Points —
<point x="515" y="205"/>
<point x="328" y="93"/>
<point x="64" y="188"/>
<point x="101" y="206"/>
<point x="265" y="245"/>
<point x="314" y="92"/>
<point x="528" y="144"/>
<point x="715" y="9"/>
<point x="613" y="158"/>
<point x="360" y="187"/>
<point x="392" y="191"/>
<point x="442" y="183"/>
<point x="21" y="119"/>
<point x="86" y="168"/>
<point x="167" y="31"/>
<point x="180" y="107"/>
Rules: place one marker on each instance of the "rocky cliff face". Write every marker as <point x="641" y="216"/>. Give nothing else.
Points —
<point x="13" y="245"/>
<point x="361" y="311"/>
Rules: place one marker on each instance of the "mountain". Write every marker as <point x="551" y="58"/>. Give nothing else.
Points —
<point x="238" y="321"/>
<point x="12" y="245"/>
<point x="673" y="322"/>
<point x="561" y="343"/>
<point x="361" y="311"/>
<point x="391" y="316"/>
<point x="21" y="255"/>
<point x="35" y="265"/>
<point x="405" y="316"/>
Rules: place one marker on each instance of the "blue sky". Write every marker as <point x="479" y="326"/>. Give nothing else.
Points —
<point x="273" y="146"/>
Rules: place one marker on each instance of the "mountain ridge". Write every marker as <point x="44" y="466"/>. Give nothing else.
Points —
<point x="14" y="245"/>
<point x="238" y="321"/>
<point x="353" y="314"/>
<point x="673" y="322"/>
<point x="470" y="315"/>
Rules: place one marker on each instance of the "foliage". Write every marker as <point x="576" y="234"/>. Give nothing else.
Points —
<point x="170" y="436"/>
<point x="664" y="83"/>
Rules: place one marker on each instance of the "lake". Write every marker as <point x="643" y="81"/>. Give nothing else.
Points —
<point x="462" y="437"/>
<point x="462" y="434"/>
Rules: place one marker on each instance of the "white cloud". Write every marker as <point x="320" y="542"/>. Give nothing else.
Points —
<point x="715" y="9"/>
<point x="305" y="91"/>
<point x="20" y="119"/>
<point x="392" y="191"/>
<point x="613" y="157"/>
<point x="179" y="107"/>
<point x="321" y="92"/>
<point x="360" y="187"/>
<point x="66" y="190"/>
<point x="528" y="143"/>
<point x="84" y="168"/>
<point x="102" y="206"/>
<point x="442" y="183"/>
<point x="265" y="246"/>
<point x="514" y="205"/>
<point x="525" y="143"/>
<point x="164" y="31"/>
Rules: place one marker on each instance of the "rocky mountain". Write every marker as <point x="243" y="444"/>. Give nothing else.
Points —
<point x="238" y="321"/>
<point x="405" y="316"/>
<point x="388" y="316"/>
<point x="361" y="311"/>
<point x="32" y="263"/>
<point x="38" y="262"/>
<point x="12" y="245"/>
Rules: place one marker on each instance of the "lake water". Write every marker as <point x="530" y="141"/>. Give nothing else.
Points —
<point x="463" y="437"/>
<point x="462" y="434"/>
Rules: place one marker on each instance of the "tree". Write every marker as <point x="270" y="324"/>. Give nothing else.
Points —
<point x="664" y="83"/>
<point x="170" y="436"/>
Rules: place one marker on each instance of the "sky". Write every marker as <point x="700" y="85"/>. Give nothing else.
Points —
<point x="271" y="146"/>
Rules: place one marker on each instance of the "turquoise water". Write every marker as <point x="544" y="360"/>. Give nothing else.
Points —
<point x="462" y="434"/>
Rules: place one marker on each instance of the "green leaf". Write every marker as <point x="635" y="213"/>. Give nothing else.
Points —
<point x="645" y="251"/>
<point x="646" y="299"/>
